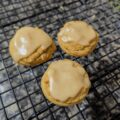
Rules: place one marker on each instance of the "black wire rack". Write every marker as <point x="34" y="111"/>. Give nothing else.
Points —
<point x="21" y="97"/>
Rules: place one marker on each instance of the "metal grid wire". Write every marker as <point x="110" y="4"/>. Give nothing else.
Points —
<point x="21" y="97"/>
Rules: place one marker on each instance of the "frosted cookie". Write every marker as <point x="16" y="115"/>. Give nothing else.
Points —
<point x="31" y="46"/>
<point x="77" y="38"/>
<point x="65" y="83"/>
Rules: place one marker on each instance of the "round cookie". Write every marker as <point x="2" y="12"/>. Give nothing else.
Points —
<point x="77" y="38"/>
<point x="65" y="83"/>
<point x="31" y="46"/>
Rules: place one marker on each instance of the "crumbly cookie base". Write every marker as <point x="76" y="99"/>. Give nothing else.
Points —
<point x="39" y="56"/>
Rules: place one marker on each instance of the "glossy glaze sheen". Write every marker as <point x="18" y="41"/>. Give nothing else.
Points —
<point x="27" y="40"/>
<point x="66" y="79"/>
<point x="77" y="31"/>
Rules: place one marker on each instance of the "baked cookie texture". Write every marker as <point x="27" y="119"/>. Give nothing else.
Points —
<point x="65" y="83"/>
<point x="31" y="46"/>
<point x="77" y="38"/>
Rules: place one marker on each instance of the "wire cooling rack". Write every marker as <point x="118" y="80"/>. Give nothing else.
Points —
<point x="21" y="97"/>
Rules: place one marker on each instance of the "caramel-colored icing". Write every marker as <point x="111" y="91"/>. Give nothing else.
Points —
<point x="66" y="79"/>
<point x="27" y="40"/>
<point x="77" y="31"/>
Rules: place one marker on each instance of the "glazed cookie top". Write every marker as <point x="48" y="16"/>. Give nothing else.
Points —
<point x="27" y="40"/>
<point x="66" y="79"/>
<point x="77" y="31"/>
